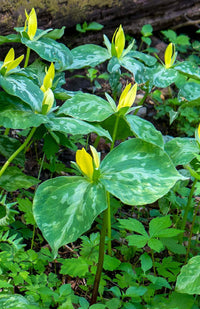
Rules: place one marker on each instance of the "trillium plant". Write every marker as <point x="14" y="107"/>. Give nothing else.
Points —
<point x="138" y="170"/>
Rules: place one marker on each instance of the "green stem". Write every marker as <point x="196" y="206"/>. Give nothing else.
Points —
<point x="114" y="133"/>
<point x="187" y="208"/>
<point x="7" y="130"/>
<point x="100" y="259"/>
<point x="153" y="260"/>
<point x="191" y="232"/>
<point x="27" y="57"/>
<point x="12" y="157"/>
<point x="32" y="240"/>
<point x="96" y="143"/>
<point x="109" y="225"/>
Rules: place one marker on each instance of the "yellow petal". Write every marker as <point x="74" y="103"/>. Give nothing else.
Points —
<point x="48" y="100"/>
<point x="198" y="131"/>
<point x="13" y="64"/>
<point x="9" y="57"/>
<point x="170" y="55"/>
<point x="95" y="156"/>
<point x="130" y="98"/>
<point x="32" y="24"/>
<point x="48" y="79"/>
<point x="85" y="162"/>
<point x="119" y="41"/>
<point x="127" y="97"/>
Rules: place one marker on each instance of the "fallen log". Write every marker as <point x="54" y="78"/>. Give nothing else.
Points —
<point x="132" y="14"/>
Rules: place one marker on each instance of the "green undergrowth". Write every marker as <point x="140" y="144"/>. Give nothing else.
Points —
<point x="99" y="208"/>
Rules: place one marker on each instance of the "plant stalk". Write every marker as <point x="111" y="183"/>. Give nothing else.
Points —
<point x="12" y="157"/>
<point x="114" y="133"/>
<point x="191" y="232"/>
<point x="109" y="225"/>
<point x="100" y="260"/>
<point x="187" y="208"/>
<point x="27" y="57"/>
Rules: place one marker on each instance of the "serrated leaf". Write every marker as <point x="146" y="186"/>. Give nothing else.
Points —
<point x="145" y="130"/>
<point x="188" y="280"/>
<point x="72" y="203"/>
<point x="25" y="205"/>
<point x="88" y="55"/>
<point x="138" y="241"/>
<point x="111" y="263"/>
<point x="135" y="291"/>
<point x="182" y="150"/>
<point x="133" y="225"/>
<point x="138" y="172"/>
<point x="87" y="107"/>
<point x="155" y="244"/>
<point x="75" y="267"/>
<point x="158" y="224"/>
<point x="146" y="262"/>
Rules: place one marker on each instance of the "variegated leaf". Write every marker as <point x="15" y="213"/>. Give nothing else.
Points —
<point x="145" y="130"/>
<point x="23" y="88"/>
<point x="138" y="172"/>
<point x="87" y="107"/>
<point x="75" y="126"/>
<point x="65" y="207"/>
<point x="88" y="55"/>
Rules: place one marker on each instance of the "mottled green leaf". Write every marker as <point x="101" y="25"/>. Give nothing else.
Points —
<point x="147" y="59"/>
<point x="65" y="207"/>
<point x="189" y="279"/>
<point x="190" y="91"/>
<point x="181" y="150"/>
<point x="163" y="77"/>
<point x="189" y="68"/>
<point x="87" y="107"/>
<point x="138" y="172"/>
<point x="88" y="55"/>
<point x="140" y="72"/>
<point x="75" y="126"/>
<point x="13" y="179"/>
<point x="23" y="88"/>
<point x="145" y="130"/>
<point x="13" y="301"/>
<point x="123" y="130"/>
<point x="52" y="51"/>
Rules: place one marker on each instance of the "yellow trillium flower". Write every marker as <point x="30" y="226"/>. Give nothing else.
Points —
<point x="10" y="62"/>
<point x="198" y="130"/>
<point x="31" y="20"/>
<point x="119" y="41"/>
<point x="48" y="79"/>
<point x="170" y="56"/>
<point x="48" y="101"/>
<point x="86" y="162"/>
<point x="127" y="97"/>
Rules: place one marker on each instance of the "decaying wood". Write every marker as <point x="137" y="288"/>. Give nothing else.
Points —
<point x="132" y="14"/>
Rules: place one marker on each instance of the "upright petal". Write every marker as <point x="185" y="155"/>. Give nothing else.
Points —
<point x="95" y="156"/>
<point x="85" y="162"/>
<point x="32" y="24"/>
